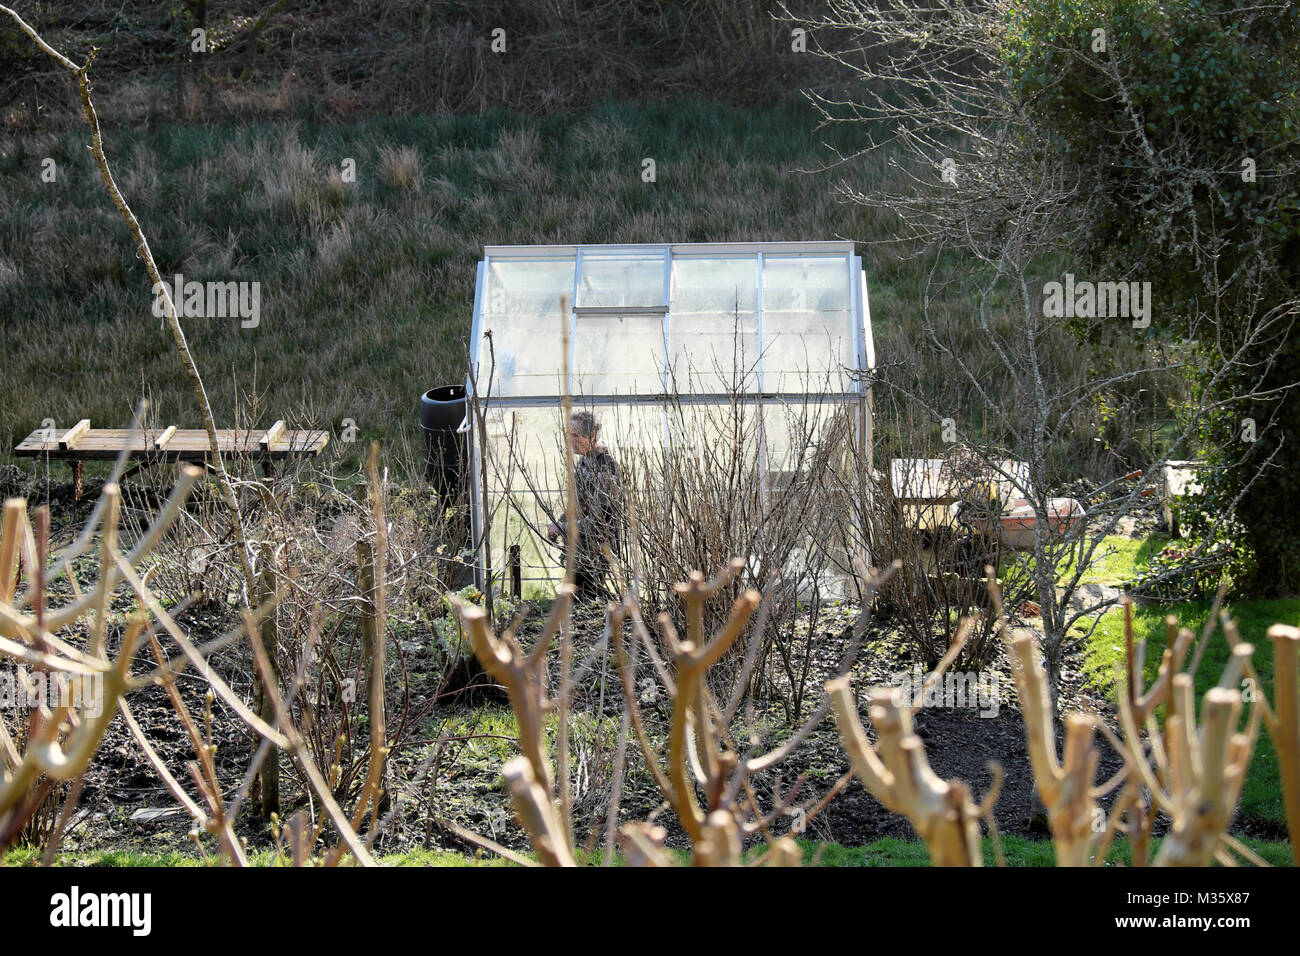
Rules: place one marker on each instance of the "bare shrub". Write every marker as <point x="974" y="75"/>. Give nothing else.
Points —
<point x="705" y="775"/>
<point x="942" y="577"/>
<point x="714" y="493"/>
<point x="311" y="533"/>
<point x="54" y="744"/>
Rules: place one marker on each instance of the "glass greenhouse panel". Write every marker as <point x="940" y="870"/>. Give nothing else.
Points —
<point x="713" y="332"/>
<point x="525" y="449"/>
<point x="714" y="354"/>
<point x="618" y="354"/>
<point x="808" y="330"/>
<point x="715" y="286"/>
<point x="526" y="476"/>
<point x="807" y="352"/>
<point x="630" y="431"/>
<point x="521" y="308"/>
<point x="715" y="436"/>
<point x="513" y="518"/>
<point x="525" y="484"/>
<point x="806" y="284"/>
<point x="793" y="430"/>
<point x="613" y="280"/>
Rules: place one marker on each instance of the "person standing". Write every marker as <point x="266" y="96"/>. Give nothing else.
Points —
<point x="599" y="506"/>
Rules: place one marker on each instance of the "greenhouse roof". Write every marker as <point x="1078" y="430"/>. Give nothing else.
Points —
<point x="694" y="320"/>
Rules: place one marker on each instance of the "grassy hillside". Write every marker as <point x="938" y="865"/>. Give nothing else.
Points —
<point x="366" y="287"/>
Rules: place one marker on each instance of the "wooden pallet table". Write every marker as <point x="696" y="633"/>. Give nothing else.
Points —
<point x="81" y="443"/>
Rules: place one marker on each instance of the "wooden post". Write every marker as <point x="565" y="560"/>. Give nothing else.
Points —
<point x="516" y="573"/>
<point x="267" y="442"/>
<point x="269" y="773"/>
<point x="69" y="441"/>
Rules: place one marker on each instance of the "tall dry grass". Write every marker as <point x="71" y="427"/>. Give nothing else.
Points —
<point x="367" y="286"/>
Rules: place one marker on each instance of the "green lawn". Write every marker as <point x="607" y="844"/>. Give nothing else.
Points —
<point x="1120" y="559"/>
<point x="1019" y="851"/>
<point x="1261" y="796"/>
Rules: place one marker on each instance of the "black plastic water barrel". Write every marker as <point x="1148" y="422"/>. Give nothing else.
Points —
<point x="445" y="451"/>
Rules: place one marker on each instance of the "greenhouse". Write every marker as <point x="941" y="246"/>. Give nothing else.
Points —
<point x="659" y="337"/>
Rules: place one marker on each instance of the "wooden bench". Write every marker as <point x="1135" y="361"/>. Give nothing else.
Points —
<point x="81" y="443"/>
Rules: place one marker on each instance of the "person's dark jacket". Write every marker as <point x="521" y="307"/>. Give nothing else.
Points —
<point x="600" y="506"/>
